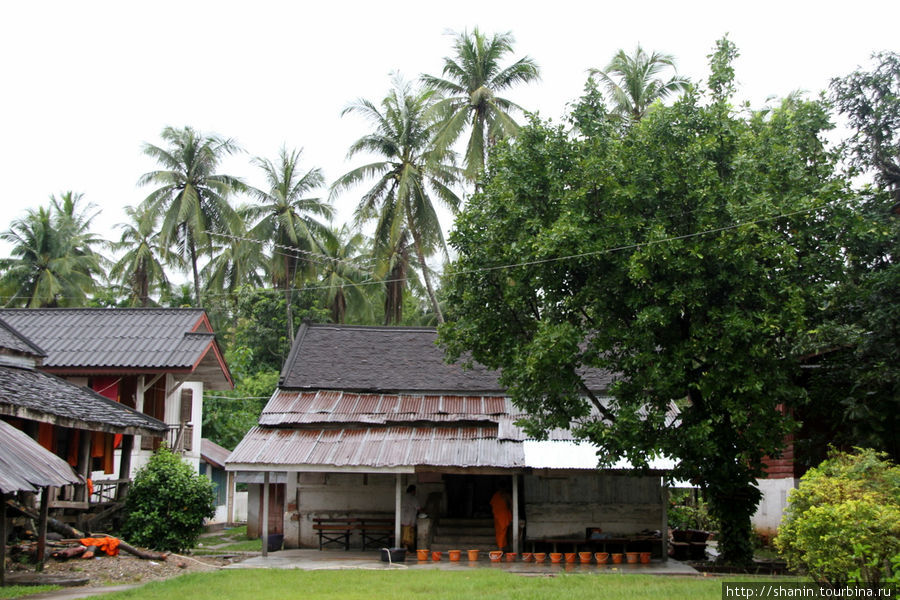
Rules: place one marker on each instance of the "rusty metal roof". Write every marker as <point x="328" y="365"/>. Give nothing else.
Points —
<point x="289" y="407"/>
<point x="120" y="339"/>
<point x="213" y="453"/>
<point x="38" y="396"/>
<point x="376" y="448"/>
<point x="25" y="466"/>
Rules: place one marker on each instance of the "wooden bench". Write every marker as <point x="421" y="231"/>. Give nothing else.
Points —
<point x="335" y="531"/>
<point x="375" y="532"/>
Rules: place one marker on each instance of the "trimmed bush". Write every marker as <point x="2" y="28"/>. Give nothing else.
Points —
<point x="842" y="524"/>
<point x="167" y="504"/>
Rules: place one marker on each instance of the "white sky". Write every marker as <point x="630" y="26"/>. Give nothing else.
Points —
<point x="85" y="84"/>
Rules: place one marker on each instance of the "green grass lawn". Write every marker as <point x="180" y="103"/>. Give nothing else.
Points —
<point x="17" y="591"/>
<point x="274" y="584"/>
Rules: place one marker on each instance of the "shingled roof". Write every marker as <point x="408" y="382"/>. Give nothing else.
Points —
<point x="13" y="341"/>
<point x="124" y="340"/>
<point x="39" y="396"/>
<point x="25" y="466"/>
<point x="385" y="359"/>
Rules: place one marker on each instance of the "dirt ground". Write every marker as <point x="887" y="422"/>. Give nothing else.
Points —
<point x="125" y="568"/>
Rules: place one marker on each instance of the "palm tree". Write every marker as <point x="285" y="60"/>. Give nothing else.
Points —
<point x="53" y="262"/>
<point x="344" y="276"/>
<point x="288" y="220"/>
<point x="470" y="83"/>
<point x="191" y="197"/>
<point x="633" y="84"/>
<point x="141" y="270"/>
<point x="238" y="259"/>
<point x="413" y="165"/>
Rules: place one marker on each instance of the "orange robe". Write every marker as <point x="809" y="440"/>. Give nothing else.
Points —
<point x="502" y="517"/>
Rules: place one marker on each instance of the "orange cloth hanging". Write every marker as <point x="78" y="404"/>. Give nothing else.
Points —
<point x="109" y="454"/>
<point x="502" y="517"/>
<point x="46" y="436"/>
<point x="73" y="447"/>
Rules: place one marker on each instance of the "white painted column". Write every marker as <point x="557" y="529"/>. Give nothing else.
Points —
<point x="398" y="493"/>
<point x="515" y="511"/>
<point x="265" y="516"/>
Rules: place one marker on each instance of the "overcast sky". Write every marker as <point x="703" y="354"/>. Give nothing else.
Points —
<point x="85" y="84"/>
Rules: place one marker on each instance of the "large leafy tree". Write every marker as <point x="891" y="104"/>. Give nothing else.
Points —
<point x="288" y="220"/>
<point x="54" y="259"/>
<point x="633" y="82"/>
<point x="346" y="276"/>
<point x="238" y="259"/>
<point x="471" y="82"/>
<point x="411" y="172"/>
<point x="191" y="197"/>
<point x="673" y="253"/>
<point x="141" y="270"/>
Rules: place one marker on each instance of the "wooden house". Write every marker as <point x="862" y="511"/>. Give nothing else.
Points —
<point x="149" y="367"/>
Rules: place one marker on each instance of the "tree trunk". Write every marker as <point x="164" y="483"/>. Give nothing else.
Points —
<point x="421" y="256"/>
<point x="192" y="249"/>
<point x="288" y="285"/>
<point x="733" y="504"/>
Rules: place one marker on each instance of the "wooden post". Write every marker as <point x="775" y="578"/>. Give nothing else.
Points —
<point x="42" y="528"/>
<point x="84" y="462"/>
<point x="515" y="511"/>
<point x="125" y="465"/>
<point x="664" y="529"/>
<point x="265" y="516"/>
<point x="398" y="500"/>
<point x="3" y="540"/>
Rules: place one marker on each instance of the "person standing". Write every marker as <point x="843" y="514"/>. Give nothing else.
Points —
<point x="500" y="502"/>
<point x="409" y="510"/>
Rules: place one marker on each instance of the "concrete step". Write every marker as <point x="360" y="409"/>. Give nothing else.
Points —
<point x="448" y="522"/>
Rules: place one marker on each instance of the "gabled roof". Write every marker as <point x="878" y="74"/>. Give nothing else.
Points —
<point x="213" y="453"/>
<point x="25" y="466"/>
<point x="125" y="340"/>
<point x="30" y="394"/>
<point x="386" y="359"/>
<point x="13" y="341"/>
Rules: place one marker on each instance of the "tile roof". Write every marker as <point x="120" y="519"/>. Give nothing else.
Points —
<point x="10" y="339"/>
<point x="25" y="466"/>
<point x="386" y="359"/>
<point x="123" y="340"/>
<point x="39" y="396"/>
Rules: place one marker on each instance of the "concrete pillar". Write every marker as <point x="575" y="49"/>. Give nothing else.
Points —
<point x="515" y="513"/>
<point x="398" y="497"/>
<point x="265" y="516"/>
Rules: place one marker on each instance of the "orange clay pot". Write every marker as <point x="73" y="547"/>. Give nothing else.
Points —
<point x="601" y="557"/>
<point x="496" y="555"/>
<point x="555" y="557"/>
<point x="422" y="553"/>
<point x="585" y="557"/>
<point x="645" y="557"/>
<point x="527" y="557"/>
<point x="454" y="555"/>
<point x="436" y="556"/>
<point x="616" y="558"/>
<point x="570" y="557"/>
<point x="511" y="556"/>
<point x="632" y="557"/>
<point x="473" y="554"/>
<point x="540" y="557"/>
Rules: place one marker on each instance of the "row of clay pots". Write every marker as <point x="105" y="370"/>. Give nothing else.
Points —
<point x="555" y="557"/>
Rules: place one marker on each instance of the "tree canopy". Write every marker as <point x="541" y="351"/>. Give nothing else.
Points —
<point x="674" y="254"/>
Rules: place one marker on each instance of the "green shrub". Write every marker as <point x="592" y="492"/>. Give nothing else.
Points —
<point x="686" y="512"/>
<point x="843" y="522"/>
<point x="167" y="503"/>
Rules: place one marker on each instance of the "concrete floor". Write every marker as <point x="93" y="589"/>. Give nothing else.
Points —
<point x="341" y="559"/>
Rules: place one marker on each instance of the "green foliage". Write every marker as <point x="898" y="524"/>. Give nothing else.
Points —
<point x="681" y="253"/>
<point x="685" y="512"/>
<point x="167" y="504"/>
<point x="228" y="416"/>
<point x="842" y="523"/>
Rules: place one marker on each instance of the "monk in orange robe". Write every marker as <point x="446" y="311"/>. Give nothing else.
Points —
<point x="500" y="502"/>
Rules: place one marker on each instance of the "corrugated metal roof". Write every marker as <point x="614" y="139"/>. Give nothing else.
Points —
<point x="290" y="407"/>
<point x="213" y="453"/>
<point x="378" y="447"/>
<point x="40" y="396"/>
<point x="25" y="466"/>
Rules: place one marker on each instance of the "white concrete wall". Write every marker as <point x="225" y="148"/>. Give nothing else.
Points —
<point x="240" y="507"/>
<point x="774" y="501"/>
